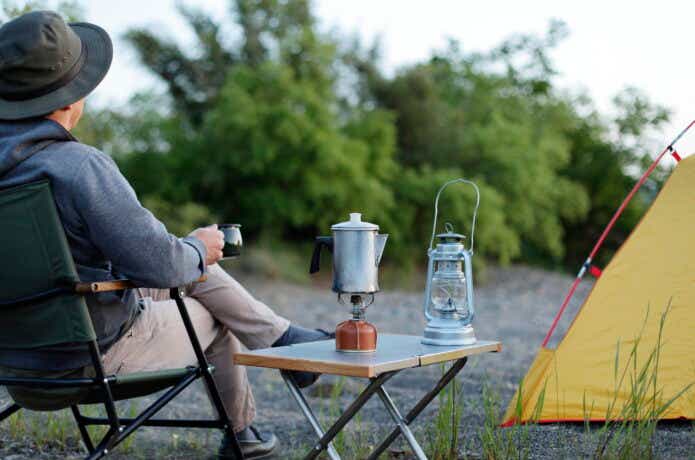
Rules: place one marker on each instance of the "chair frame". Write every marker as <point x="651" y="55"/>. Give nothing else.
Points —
<point x="121" y="428"/>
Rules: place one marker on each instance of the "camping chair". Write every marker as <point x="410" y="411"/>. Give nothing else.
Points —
<point x="42" y="303"/>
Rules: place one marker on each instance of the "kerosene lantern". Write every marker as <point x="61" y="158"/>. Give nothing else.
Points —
<point x="448" y="303"/>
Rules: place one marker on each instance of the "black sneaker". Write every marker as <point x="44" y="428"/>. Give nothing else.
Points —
<point x="254" y="445"/>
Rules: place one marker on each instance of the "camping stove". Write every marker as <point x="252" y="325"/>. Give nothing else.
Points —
<point x="357" y="248"/>
<point x="356" y="334"/>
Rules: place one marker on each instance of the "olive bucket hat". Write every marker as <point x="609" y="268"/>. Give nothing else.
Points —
<point x="46" y="64"/>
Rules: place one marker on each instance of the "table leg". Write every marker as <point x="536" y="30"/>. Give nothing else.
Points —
<point x="402" y="425"/>
<point x="308" y="413"/>
<point x="419" y="407"/>
<point x="349" y="413"/>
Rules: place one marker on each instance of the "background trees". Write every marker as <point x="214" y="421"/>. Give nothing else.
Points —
<point x="286" y="129"/>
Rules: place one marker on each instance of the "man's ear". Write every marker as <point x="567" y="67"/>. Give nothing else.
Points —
<point x="62" y="116"/>
<point x="63" y="109"/>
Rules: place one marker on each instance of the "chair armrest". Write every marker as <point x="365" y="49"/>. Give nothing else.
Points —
<point x="116" y="285"/>
<point x="103" y="286"/>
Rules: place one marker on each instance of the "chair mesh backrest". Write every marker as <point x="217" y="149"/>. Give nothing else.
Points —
<point x="34" y="258"/>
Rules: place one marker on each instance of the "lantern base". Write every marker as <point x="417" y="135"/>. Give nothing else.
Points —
<point x="448" y="336"/>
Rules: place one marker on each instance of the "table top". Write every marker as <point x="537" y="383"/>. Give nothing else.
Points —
<point x="394" y="352"/>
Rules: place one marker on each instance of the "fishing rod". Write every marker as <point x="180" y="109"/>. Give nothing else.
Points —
<point x="587" y="263"/>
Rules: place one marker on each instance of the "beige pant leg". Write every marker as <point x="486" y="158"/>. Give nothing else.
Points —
<point x="252" y="321"/>
<point x="158" y="340"/>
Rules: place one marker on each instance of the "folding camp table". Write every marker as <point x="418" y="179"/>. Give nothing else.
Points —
<point x="394" y="353"/>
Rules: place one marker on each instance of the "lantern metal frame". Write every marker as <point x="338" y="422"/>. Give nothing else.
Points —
<point x="447" y="329"/>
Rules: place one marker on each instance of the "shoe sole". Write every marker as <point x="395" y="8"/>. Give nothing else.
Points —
<point x="259" y="457"/>
<point x="260" y="452"/>
<point x="247" y="457"/>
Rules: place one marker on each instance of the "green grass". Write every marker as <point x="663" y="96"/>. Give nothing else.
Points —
<point x="46" y="431"/>
<point x="334" y="411"/>
<point x="629" y="429"/>
<point x="503" y="443"/>
<point x="58" y="431"/>
<point x="632" y="434"/>
<point x="354" y="441"/>
<point x="444" y="432"/>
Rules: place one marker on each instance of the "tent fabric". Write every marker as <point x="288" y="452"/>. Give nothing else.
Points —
<point x="653" y="269"/>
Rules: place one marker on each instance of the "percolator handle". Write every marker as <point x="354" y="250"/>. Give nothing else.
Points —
<point x="475" y="211"/>
<point x="316" y="256"/>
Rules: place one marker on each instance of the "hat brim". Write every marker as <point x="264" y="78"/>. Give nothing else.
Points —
<point x="99" y="54"/>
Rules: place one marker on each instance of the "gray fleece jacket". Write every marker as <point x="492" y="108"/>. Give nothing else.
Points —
<point x="110" y="234"/>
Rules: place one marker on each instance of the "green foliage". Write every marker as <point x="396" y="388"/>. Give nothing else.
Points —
<point x="636" y="113"/>
<point x="181" y="218"/>
<point x="272" y="151"/>
<point x="602" y="167"/>
<point x="455" y="112"/>
<point x="413" y="222"/>
<point x="192" y="81"/>
<point x="71" y="10"/>
<point x="286" y="130"/>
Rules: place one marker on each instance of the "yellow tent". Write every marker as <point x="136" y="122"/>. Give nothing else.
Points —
<point x="654" y="268"/>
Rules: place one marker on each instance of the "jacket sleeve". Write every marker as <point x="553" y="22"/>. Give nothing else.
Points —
<point x="137" y="243"/>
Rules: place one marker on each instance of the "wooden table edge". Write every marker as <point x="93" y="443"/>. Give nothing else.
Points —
<point x="451" y="355"/>
<point x="360" y="370"/>
<point x="333" y="368"/>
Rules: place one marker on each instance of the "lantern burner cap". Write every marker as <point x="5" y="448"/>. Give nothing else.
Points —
<point x="450" y="236"/>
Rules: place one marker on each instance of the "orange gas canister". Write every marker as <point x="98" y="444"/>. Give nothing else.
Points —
<point x="356" y="335"/>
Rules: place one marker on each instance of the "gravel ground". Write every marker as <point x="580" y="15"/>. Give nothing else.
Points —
<point x="516" y="306"/>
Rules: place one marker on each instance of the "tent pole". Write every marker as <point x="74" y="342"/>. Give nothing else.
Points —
<point x="607" y="230"/>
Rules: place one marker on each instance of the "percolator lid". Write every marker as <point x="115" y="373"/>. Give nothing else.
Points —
<point x="355" y="223"/>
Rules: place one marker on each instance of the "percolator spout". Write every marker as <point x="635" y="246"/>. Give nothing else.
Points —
<point x="379" y="244"/>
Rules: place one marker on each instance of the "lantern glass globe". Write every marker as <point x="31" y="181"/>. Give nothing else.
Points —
<point x="448" y="295"/>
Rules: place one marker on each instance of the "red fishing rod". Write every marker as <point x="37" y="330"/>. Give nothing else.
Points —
<point x="587" y="264"/>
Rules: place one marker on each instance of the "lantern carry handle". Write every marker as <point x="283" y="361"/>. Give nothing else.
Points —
<point x="475" y="211"/>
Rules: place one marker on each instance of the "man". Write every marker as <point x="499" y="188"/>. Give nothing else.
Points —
<point x="47" y="68"/>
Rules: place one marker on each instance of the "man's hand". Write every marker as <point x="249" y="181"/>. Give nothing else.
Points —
<point x="213" y="240"/>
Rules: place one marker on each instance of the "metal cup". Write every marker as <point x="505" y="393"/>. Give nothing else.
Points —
<point x="232" y="239"/>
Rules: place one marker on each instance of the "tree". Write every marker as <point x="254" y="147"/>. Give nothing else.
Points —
<point x="602" y="163"/>
<point x="496" y="120"/>
<point x="287" y="130"/>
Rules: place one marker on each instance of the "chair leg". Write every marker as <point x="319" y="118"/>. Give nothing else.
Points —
<point x="9" y="411"/>
<point x="83" y="429"/>
<point x="176" y="294"/>
<point x="103" y="447"/>
<point x="109" y="404"/>
<point x="222" y="413"/>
